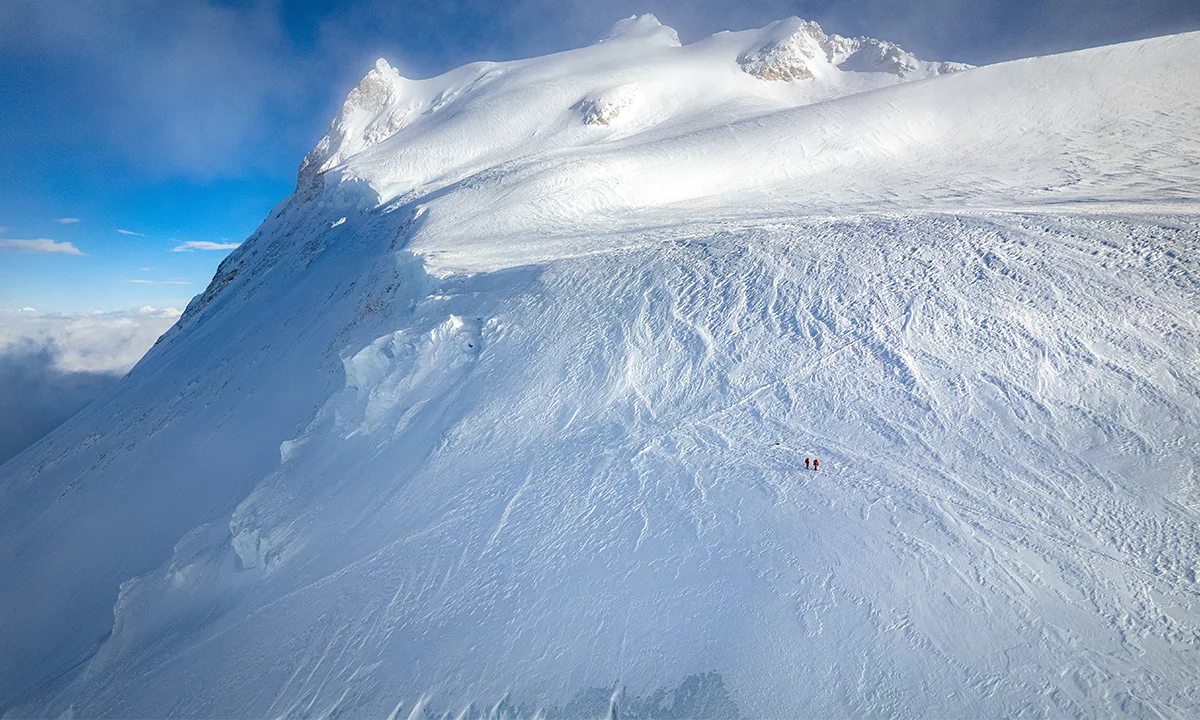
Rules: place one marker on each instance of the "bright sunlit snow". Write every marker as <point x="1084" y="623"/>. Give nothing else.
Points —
<point x="505" y="410"/>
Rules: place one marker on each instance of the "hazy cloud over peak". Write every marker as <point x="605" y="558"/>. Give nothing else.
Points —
<point x="176" y="86"/>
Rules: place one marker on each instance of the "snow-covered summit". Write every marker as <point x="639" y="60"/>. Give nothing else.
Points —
<point x="795" y="50"/>
<point x="642" y="27"/>
<point x="582" y="141"/>
<point x="400" y="135"/>
<point x="372" y="112"/>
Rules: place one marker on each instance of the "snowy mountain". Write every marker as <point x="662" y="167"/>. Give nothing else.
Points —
<point x="505" y="410"/>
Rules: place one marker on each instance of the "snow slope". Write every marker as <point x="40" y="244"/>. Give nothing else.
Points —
<point x="505" y="409"/>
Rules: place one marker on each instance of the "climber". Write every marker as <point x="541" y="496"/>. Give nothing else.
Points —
<point x="805" y="463"/>
<point x="816" y="462"/>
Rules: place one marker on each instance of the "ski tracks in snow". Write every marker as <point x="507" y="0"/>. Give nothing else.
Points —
<point x="616" y="461"/>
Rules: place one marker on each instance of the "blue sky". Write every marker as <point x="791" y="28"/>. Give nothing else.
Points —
<point x="184" y="122"/>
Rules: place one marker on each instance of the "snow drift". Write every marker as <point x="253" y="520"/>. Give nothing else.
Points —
<point x="504" y="411"/>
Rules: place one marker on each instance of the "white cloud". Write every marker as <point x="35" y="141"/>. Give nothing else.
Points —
<point x="54" y="364"/>
<point x="191" y="245"/>
<point x="40" y="245"/>
<point x="28" y="309"/>
<point x="186" y="86"/>
<point x="87" y="342"/>
<point x="159" y="282"/>
<point x="146" y="269"/>
<point x="67" y="221"/>
<point x="130" y="232"/>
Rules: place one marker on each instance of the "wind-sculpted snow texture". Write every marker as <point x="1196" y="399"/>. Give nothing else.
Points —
<point x="504" y="412"/>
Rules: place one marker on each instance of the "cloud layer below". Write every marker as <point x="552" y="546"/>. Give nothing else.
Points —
<point x="87" y="342"/>
<point x="53" y="364"/>
<point x="36" y="397"/>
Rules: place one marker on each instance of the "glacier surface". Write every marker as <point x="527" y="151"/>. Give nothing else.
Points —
<point x="504" y="411"/>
